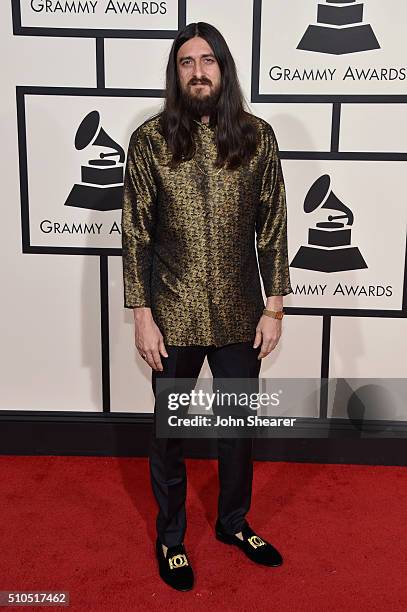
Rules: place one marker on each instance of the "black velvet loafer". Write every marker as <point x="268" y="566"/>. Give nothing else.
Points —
<point x="254" y="547"/>
<point x="175" y="568"/>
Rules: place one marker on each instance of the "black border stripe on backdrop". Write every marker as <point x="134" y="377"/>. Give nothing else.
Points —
<point x="335" y="127"/>
<point x="100" y="63"/>
<point x="325" y="351"/>
<point x="104" y="330"/>
<point x="127" y="436"/>
<point x="20" y="30"/>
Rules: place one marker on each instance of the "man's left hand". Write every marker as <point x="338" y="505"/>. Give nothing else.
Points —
<point x="268" y="332"/>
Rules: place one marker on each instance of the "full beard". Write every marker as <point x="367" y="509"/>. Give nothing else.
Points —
<point x="198" y="106"/>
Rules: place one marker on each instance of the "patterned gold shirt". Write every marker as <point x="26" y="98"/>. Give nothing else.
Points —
<point x="190" y="236"/>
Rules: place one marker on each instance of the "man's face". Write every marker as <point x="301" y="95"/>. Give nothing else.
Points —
<point x="199" y="75"/>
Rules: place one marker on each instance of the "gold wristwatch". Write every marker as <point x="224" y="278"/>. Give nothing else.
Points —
<point x="275" y="314"/>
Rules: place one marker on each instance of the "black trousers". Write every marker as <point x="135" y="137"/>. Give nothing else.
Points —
<point x="166" y="457"/>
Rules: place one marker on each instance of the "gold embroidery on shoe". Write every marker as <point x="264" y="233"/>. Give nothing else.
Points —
<point x="256" y="541"/>
<point x="178" y="561"/>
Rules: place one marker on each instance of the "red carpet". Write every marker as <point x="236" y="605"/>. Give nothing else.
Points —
<point x="87" y="526"/>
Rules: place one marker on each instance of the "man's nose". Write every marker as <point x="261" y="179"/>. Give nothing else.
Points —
<point x="198" y="72"/>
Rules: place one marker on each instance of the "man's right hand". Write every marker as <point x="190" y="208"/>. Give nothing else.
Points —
<point x="148" y="338"/>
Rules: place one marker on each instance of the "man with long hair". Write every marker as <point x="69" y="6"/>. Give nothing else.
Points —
<point x="203" y="191"/>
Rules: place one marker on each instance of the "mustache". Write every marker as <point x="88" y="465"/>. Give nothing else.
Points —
<point x="203" y="81"/>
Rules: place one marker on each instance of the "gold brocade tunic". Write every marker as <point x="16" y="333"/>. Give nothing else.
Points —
<point x="190" y="235"/>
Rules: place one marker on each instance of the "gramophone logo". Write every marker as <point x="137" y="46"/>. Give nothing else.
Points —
<point x="102" y="178"/>
<point x="329" y="243"/>
<point x="340" y="29"/>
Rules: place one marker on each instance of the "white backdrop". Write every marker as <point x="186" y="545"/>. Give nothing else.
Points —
<point x="342" y="323"/>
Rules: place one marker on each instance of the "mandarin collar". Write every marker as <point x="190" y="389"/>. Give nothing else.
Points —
<point x="205" y="126"/>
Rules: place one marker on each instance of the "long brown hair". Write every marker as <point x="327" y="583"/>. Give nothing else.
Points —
<point x="236" y="133"/>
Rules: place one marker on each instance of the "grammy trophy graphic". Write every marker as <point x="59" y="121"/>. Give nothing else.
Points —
<point x="329" y="243"/>
<point x="102" y="178"/>
<point x="340" y="30"/>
